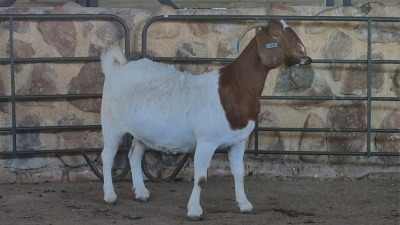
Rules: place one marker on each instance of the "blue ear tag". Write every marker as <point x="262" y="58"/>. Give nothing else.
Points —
<point x="271" y="45"/>
<point x="238" y="45"/>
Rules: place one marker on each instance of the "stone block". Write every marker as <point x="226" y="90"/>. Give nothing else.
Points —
<point x="396" y="82"/>
<point x="60" y="34"/>
<point x="87" y="26"/>
<point x="110" y="33"/>
<point x="164" y="30"/>
<point x="90" y="80"/>
<point x="302" y="81"/>
<point x="389" y="142"/>
<point x="29" y="142"/>
<point x="382" y="32"/>
<point x="20" y="26"/>
<point x="341" y="116"/>
<point x="42" y="80"/>
<point x="75" y="140"/>
<point x="192" y="49"/>
<point x="22" y="49"/>
<point x="355" y="79"/>
<point x="268" y="140"/>
<point x="311" y="141"/>
<point x="3" y="105"/>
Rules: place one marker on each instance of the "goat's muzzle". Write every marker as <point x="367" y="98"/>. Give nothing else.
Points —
<point x="305" y="61"/>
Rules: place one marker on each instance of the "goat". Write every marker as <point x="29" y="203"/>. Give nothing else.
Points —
<point x="168" y="110"/>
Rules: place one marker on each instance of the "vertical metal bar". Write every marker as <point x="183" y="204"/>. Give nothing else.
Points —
<point x="369" y="80"/>
<point x="92" y="3"/>
<point x="256" y="133"/>
<point x="256" y="130"/>
<point x="12" y="76"/>
<point x="82" y="2"/>
<point x="168" y="3"/>
<point x="330" y="3"/>
<point x="347" y="3"/>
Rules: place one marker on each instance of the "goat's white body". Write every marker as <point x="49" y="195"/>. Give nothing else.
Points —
<point x="167" y="110"/>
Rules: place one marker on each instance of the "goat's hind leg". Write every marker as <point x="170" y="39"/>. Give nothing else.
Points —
<point x="111" y="144"/>
<point x="236" y="160"/>
<point x="135" y="158"/>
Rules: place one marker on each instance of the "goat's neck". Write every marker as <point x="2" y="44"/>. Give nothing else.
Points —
<point x="247" y="70"/>
<point x="241" y="85"/>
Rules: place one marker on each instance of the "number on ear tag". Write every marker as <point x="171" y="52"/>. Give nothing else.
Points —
<point x="271" y="45"/>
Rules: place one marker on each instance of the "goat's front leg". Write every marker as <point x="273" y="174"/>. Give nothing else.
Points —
<point x="202" y="158"/>
<point x="135" y="158"/>
<point x="236" y="160"/>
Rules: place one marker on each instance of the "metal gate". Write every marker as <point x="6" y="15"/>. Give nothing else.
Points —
<point x="13" y="98"/>
<point x="369" y="61"/>
<point x="14" y="130"/>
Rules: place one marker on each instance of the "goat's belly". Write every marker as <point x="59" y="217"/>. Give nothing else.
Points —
<point x="171" y="138"/>
<point x="169" y="143"/>
<point x="177" y="139"/>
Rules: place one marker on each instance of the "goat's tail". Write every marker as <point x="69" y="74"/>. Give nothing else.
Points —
<point x="111" y="60"/>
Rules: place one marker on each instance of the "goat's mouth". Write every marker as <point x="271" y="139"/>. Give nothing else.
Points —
<point x="298" y="61"/>
<point x="305" y="61"/>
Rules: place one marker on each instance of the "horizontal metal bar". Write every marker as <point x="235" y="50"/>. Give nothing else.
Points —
<point x="324" y="98"/>
<point x="50" y="60"/>
<point x="37" y="129"/>
<point x="283" y="129"/>
<point x="264" y="152"/>
<point x="57" y="151"/>
<point x="51" y="151"/>
<point x="50" y="97"/>
<point x="320" y="153"/>
<point x="55" y="17"/>
<point x="209" y="60"/>
<point x="58" y="128"/>
<point x="343" y="130"/>
<point x="206" y="18"/>
<point x="89" y="96"/>
<point x="355" y="61"/>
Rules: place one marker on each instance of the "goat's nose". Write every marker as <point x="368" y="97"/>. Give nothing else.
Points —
<point x="305" y="61"/>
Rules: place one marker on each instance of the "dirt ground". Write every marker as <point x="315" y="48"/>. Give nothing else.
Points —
<point x="275" y="201"/>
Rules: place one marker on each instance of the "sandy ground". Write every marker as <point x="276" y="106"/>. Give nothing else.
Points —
<point x="276" y="201"/>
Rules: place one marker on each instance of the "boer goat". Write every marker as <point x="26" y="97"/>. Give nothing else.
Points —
<point x="168" y="110"/>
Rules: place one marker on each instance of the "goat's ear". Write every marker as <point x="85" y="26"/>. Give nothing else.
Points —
<point x="270" y="57"/>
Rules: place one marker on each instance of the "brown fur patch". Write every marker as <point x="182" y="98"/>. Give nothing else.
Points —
<point x="242" y="82"/>
<point x="202" y="182"/>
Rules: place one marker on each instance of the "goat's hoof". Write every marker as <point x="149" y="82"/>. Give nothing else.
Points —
<point x="142" y="199"/>
<point x="246" y="207"/>
<point x="194" y="218"/>
<point x="142" y="195"/>
<point x="110" y="198"/>
<point x="112" y="203"/>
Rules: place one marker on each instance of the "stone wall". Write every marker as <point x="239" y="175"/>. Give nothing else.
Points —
<point x="324" y="40"/>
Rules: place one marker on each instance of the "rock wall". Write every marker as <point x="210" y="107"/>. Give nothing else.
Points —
<point x="324" y="40"/>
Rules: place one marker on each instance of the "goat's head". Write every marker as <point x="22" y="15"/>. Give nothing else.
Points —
<point x="279" y="45"/>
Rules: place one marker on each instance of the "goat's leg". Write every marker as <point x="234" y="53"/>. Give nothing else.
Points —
<point x="111" y="144"/>
<point x="135" y="158"/>
<point x="236" y="160"/>
<point x="202" y="158"/>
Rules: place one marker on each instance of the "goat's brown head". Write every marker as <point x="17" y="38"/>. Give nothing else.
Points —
<point x="279" y="45"/>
